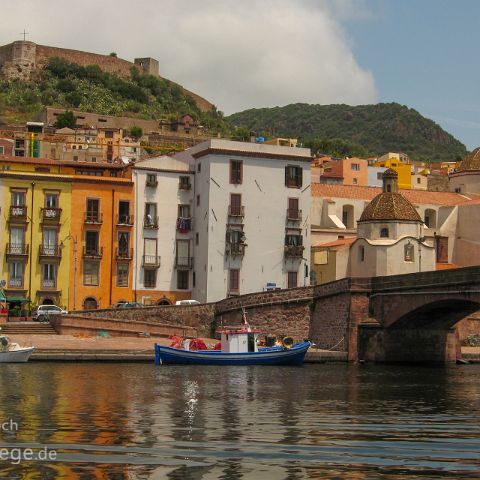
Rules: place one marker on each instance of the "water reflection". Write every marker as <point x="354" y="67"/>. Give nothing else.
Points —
<point x="320" y="421"/>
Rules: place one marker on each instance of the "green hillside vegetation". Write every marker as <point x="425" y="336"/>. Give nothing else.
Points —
<point x="68" y="85"/>
<point x="364" y="130"/>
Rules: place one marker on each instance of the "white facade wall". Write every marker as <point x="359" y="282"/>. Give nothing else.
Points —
<point x="265" y="202"/>
<point x="465" y="182"/>
<point x="167" y="196"/>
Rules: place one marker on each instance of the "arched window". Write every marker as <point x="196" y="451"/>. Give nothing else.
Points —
<point x="430" y="218"/>
<point x="90" y="303"/>
<point x="409" y="252"/>
<point x="384" y="232"/>
<point x="361" y="253"/>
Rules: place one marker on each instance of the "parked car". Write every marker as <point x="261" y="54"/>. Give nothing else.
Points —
<point x="43" y="312"/>
<point x="131" y="305"/>
<point x="187" y="302"/>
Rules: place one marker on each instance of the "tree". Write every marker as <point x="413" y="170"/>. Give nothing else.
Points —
<point x="136" y="132"/>
<point x="66" y="119"/>
<point x="113" y="54"/>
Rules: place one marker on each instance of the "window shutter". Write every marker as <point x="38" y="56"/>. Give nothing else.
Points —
<point x="286" y="176"/>
<point x="300" y="176"/>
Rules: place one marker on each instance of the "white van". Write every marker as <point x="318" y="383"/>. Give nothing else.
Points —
<point x="187" y="302"/>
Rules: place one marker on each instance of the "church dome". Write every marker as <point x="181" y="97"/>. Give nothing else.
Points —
<point x="471" y="161"/>
<point x="388" y="206"/>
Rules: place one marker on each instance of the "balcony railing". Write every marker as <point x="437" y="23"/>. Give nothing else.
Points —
<point x="294" y="251"/>
<point x="18" y="213"/>
<point x="50" y="214"/>
<point x="19" y="249"/>
<point x="150" y="222"/>
<point x="124" y="253"/>
<point x="123" y="219"/>
<point x="294" y="214"/>
<point x="50" y="251"/>
<point x="94" y="217"/>
<point x="48" y="283"/>
<point x="236" y="211"/>
<point x="184" y="224"/>
<point x="92" y="252"/>
<point x="151" y="182"/>
<point x="15" y="282"/>
<point x="236" y="248"/>
<point x="151" y="261"/>
<point x="184" y="262"/>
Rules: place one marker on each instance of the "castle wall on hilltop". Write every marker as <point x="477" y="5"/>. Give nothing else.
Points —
<point x="22" y="59"/>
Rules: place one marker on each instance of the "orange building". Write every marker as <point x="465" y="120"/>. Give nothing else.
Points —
<point x="101" y="232"/>
<point x="345" y="171"/>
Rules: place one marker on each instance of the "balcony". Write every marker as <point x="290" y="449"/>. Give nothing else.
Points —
<point x="124" y="253"/>
<point x="17" y="250"/>
<point x="50" y="251"/>
<point x="51" y="215"/>
<point x="235" y="248"/>
<point x="294" y="214"/>
<point x="93" y="218"/>
<point x="184" y="224"/>
<point x="18" y="214"/>
<point x="92" y="252"/>
<point x="151" y="261"/>
<point x="150" y="222"/>
<point x="184" y="263"/>
<point x="15" y="282"/>
<point x="124" y="220"/>
<point x="49" y="284"/>
<point x="236" y="211"/>
<point x="294" y="251"/>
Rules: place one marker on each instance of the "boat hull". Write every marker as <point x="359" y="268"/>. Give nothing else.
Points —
<point x="20" y="355"/>
<point x="266" y="356"/>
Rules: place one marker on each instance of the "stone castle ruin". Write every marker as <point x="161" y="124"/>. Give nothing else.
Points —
<point x="24" y="59"/>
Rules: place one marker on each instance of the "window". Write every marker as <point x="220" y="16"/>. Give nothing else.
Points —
<point x="234" y="280"/>
<point x="430" y="218"/>
<point x="123" y="244"/>
<point x="49" y="244"/>
<point x="348" y="216"/>
<point x="184" y="183"/>
<point x="355" y="181"/>
<point x="18" y="199"/>
<point x="198" y="200"/>
<point x="236" y="171"/>
<point x="182" y="279"/>
<point x="150" y="251"/>
<point x="49" y="275"/>
<point x="2" y="150"/>
<point x="183" y="253"/>
<point x="17" y="240"/>
<point x="91" y="272"/>
<point x="384" y="233"/>
<point x="292" y="279"/>
<point x="409" y="252"/>
<point x="355" y="166"/>
<point x="196" y="238"/>
<point x="151" y="215"/>
<point x="51" y="200"/>
<point x="91" y="243"/>
<point x="419" y="180"/>
<point x="149" y="278"/>
<point x="151" y="180"/>
<point x="293" y="212"/>
<point x="293" y="177"/>
<point x="75" y="158"/>
<point x="93" y="210"/>
<point x="236" y="204"/>
<point x="361" y="251"/>
<point x="15" y="274"/>
<point x="389" y="188"/>
<point x="108" y="133"/>
<point x="122" y="274"/>
<point x="199" y="167"/>
<point x="123" y="212"/>
<point x="184" y="211"/>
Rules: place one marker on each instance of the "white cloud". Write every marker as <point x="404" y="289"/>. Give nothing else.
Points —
<point x="237" y="54"/>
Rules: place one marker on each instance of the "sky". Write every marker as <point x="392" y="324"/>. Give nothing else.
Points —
<point x="264" y="53"/>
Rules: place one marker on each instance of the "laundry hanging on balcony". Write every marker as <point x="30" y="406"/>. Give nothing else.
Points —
<point x="183" y="224"/>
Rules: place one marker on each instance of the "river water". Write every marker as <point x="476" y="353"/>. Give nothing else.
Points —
<point x="138" y="421"/>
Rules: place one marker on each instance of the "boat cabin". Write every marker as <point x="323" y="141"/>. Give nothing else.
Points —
<point x="239" y="340"/>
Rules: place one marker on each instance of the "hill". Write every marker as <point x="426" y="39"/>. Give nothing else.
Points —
<point x="61" y="83"/>
<point x="364" y="130"/>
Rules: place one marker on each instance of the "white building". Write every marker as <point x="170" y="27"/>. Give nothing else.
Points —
<point x="251" y="217"/>
<point x="163" y="230"/>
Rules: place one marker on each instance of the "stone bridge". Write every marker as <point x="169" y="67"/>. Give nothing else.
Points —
<point x="400" y="318"/>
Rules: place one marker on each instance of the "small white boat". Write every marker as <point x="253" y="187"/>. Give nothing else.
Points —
<point x="11" y="352"/>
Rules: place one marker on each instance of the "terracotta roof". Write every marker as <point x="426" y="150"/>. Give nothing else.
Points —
<point x="471" y="161"/>
<point x="341" y="242"/>
<point x="369" y="193"/>
<point x="390" y="206"/>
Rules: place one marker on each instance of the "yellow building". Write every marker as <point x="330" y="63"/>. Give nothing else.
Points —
<point x="404" y="171"/>
<point x="35" y="197"/>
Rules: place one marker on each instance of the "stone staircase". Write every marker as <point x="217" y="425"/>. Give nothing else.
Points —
<point x="27" y="328"/>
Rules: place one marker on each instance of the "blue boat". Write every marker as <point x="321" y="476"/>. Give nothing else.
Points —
<point x="238" y="347"/>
